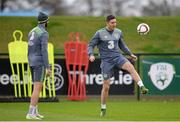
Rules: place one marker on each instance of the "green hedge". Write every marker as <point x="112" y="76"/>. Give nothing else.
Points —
<point x="164" y="36"/>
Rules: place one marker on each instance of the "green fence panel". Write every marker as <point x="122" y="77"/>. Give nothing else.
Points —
<point x="161" y="75"/>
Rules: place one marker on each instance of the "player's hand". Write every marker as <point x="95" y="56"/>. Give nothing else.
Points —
<point x="134" y="58"/>
<point x="48" y="72"/>
<point x="92" y="58"/>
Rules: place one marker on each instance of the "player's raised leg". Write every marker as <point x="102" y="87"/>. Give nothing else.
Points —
<point x="130" y="68"/>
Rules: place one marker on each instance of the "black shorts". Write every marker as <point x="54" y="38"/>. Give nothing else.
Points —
<point x="38" y="73"/>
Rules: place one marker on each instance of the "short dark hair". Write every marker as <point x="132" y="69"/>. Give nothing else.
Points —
<point x="110" y="17"/>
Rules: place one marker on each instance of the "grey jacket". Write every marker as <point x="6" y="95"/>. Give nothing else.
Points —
<point x="37" y="46"/>
<point x="109" y="44"/>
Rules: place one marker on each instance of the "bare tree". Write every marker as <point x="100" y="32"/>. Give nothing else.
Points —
<point x="53" y="6"/>
<point x="166" y="8"/>
<point x="3" y="2"/>
<point x="90" y="6"/>
<point x="154" y="9"/>
<point x="107" y="7"/>
<point x="56" y="6"/>
<point x="96" y="7"/>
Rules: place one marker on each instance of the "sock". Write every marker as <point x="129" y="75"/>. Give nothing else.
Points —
<point x="36" y="109"/>
<point x="32" y="109"/>
<point x="140" y="83"/>
<point x="103" y="106"/>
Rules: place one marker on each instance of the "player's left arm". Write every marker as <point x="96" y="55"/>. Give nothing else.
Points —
<point x="125" y="49"/>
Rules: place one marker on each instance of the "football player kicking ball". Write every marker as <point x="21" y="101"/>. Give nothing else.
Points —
<point x="109" y="40"/>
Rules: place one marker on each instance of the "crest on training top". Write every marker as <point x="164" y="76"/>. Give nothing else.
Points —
<point x="116" y="35"/>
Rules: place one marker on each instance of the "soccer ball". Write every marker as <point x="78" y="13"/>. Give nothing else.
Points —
<point x="143" y="29"/>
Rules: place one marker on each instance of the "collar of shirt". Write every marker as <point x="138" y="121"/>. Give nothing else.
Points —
<point x="41" y="26"/>
<point x="109" y="30"/>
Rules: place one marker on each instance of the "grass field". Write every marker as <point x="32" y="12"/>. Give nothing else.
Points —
<point x="89" y="111"/>
<point x="163" y="37"/>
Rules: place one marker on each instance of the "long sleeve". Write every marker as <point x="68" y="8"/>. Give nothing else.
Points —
<point x="123" y="46"/>
<point x="94" y="42"/>
<point x="44" y="49"/>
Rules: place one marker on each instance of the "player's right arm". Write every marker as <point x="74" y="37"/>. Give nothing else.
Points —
<point x="94" y="41"/>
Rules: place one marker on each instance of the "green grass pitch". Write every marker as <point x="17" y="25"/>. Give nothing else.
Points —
<point x="89" y="110"/>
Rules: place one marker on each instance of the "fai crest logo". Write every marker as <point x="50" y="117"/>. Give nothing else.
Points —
<point x="116" y="35"/>
<point x="161" y="74"/>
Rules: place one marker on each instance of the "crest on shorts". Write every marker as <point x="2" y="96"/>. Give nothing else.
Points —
<point x="105" y="76"/>
<point x="161" y="74"/>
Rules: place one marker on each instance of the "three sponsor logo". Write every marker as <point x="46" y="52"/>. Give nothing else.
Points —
<point x="6" y="79"/>
<point x="161" y="75"/>
<point x="91" y="79"/>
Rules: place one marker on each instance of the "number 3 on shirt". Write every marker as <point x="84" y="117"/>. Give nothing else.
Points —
<point x="111" y="44"/>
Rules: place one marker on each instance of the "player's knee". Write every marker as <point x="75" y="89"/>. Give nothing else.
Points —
<point x="130" y="67"/>
<point x="106" y="88"/>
